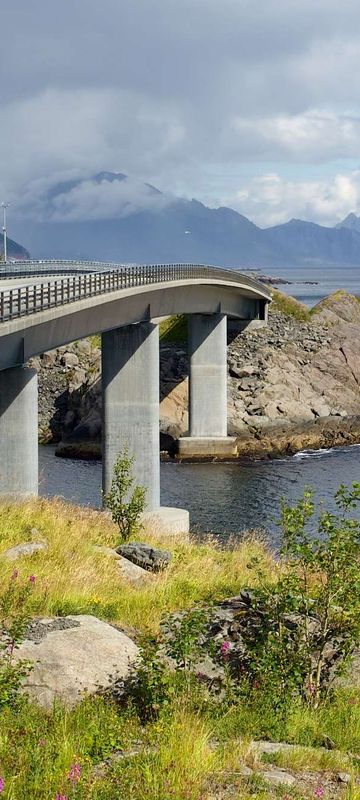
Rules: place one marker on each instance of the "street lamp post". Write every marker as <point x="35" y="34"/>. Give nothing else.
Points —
<point x="4" y="206"/>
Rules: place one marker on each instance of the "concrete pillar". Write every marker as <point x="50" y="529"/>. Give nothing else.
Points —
<point x="130" y="378"/>
<point x="207" y="375"/>
<point x="18" y="432"/>
<point x="207" y="389"/>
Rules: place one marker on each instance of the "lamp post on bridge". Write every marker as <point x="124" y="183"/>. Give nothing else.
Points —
<point x="4" y="206"/>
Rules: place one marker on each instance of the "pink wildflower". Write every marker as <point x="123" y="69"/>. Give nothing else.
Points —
<point x="2" y="784"/>
<point x="225" y="647"/>
<point x="61" y="797"/>
<point x="74" y="773"/>
<point x="319" y="791"/>
<point x="32" y="578"/>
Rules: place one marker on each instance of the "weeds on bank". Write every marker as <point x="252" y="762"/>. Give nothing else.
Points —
<point x="289" y="306"/>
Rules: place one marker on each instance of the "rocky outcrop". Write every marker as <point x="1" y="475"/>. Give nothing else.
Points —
<point x="143" y="555"/>
<point x="292" y="385"/>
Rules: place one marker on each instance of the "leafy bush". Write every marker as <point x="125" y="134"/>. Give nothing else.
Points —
<point x="310" y="617"/>
<point x="125" y="502"/>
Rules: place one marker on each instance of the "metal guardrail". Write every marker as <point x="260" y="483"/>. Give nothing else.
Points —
<point x="25" y="300"/>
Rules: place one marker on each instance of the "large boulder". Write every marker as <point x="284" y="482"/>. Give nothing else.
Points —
<point x="73" y="656"/>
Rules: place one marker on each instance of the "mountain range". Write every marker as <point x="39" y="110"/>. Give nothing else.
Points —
<point x="108" y="217"/>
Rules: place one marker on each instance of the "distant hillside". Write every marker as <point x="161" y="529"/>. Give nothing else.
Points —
<point x="14" y="250"/>
<point x="351" y="221"/>
<point x="111" y="217"/>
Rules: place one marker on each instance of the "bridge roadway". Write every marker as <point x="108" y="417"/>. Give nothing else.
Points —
<point x="48" y="304"/>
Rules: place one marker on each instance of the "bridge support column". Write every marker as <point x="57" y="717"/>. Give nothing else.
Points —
<point x="130" y="377"/>
<point x="207" y="389"/>
<point x="18" y="432"/>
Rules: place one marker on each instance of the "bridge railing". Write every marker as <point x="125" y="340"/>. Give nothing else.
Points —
<point x="25" y="300"/>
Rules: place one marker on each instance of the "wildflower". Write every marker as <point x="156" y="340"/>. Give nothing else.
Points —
<point x="225" y="647"/>
<point x="61" y="797"/>
<point x="2" y="784"/>
<point x="32" y="578"/>
<point x="200" y="676"/>
<point x="319" y="791"/>
<point x="256" y="685"/>
<point x="74" y="773"/>
<point x="14" y="575"/>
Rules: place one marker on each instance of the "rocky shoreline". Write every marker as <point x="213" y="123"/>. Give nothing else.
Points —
<point x="292" y="385"/>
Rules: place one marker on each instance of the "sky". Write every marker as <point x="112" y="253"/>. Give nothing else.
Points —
<point x="253" y="104"/>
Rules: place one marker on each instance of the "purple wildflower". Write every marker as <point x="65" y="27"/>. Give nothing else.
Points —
<point x="32" y="578"/>
<point x="319" y="791"/>
<point x="2" y="784"/>
<point x="61" y="797"/>
<point x="225" y="647"/>
<point x="74" y="773"/>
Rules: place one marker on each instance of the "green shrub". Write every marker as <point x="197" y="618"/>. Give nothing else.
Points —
<point x="310" y="618"/>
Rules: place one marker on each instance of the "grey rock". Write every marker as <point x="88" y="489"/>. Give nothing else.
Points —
<point x="132" y="572"/>
<point x="24" y="549"/>
<point x="84" y="658"/>
<point x="272" y="747"/>
<point x="129" y="571"/>
<point x="145" y="556"/>
<point x="343" y="777"/>
<point x="69" y="360"/>
<point x="279" y="777"/>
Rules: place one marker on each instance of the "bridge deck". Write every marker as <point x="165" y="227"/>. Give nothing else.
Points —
<point x="26" y="294"/>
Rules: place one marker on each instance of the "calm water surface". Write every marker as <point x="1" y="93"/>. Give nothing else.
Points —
<point x="329" y="280"/>
<point x="222" y="499"/>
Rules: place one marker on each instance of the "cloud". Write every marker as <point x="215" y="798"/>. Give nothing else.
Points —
<point x="88" y="200"/>
<point x="314" y="136"/>
<point x="85" y="131"/>
<point x="271" y="200"/>
<point x="194" y="96"/>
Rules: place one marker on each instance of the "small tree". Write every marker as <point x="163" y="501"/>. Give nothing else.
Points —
<point x="125" y="503"/>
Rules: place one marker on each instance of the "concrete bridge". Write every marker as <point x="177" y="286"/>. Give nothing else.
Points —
<point x="125" y="304"/>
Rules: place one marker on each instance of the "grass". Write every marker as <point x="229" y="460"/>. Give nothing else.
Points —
<point x="289" y="306"/>
<point x="174" y="329"/>
<point x="73" y="578"/>
<point x="173" y="757"/>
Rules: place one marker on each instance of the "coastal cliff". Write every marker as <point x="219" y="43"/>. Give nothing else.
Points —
<point x="292" y="385"/>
